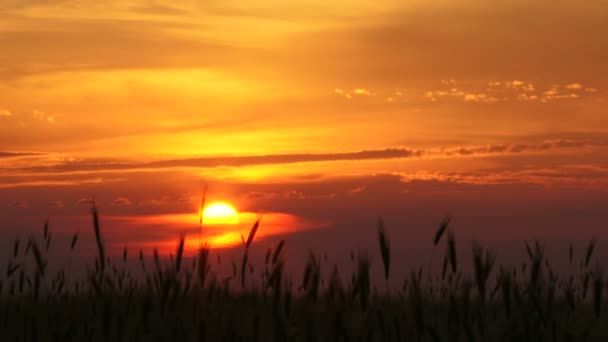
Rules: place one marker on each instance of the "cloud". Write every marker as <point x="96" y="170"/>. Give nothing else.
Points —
<point x="472" y="150"/>
<point x="551" y="92"/>
<point x="585" y="175"/>
<point x="529" y="87"/>
<point x="159" y="201"/>
<point x="261" y="195"/>
<point x="343" y="93"/>
<point x="294" y="194"/>
<point x="526" y="97"/>
<point x="20" y="204"/>
<point x="574" y="86"/>
<point x="28" y="4"/>
<point x="349" y="94"/>
<point x="520" y="147"/>
<point x="68" y="47"/>
<point x="5" y="113"/>
<point x="6" y="154"/>
<point x="479" y="97"/>
<point x="73" y="165"/>
<point x="568" y="143"/>
<point x="471" y="97"/>
<point x="122" y="201"/>
<point x="356" y="190"/>
<point x="233" y="161"/>
<point x="152" y="202"/>
<point x="288" y="195"/>
<point x="501" y="91"/>
<point x="56" y="204"/>
<point x="517" y="148"/>
<point x="38" y="114"/>
<point x="496" y="148"/>
<point x="85" y="201"/>
<point x="517" y="83"/>
<point x="412" y="43"/>
<point x="361" y="91"/>
<point x="50" y="183"/>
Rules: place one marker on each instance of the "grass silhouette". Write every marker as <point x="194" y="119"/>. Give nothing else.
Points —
<point x="181" y="301"/>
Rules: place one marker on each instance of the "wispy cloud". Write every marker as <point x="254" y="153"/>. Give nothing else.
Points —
<point x="56" y="204"/>
<point x="20" y="204"/>
<point x="43" y="182"/>
<point x="594" y="177"/>
<point x="86" y="201"/>
<point x="40" y="115"/>
<point x="574" y="86"/>
<point x="261" y="195"/>
<point x="362" y="91"/>
<point x="77" y="165"/>
<point x="6" y="154"/>
<point x="124" y="201"/>
<point x="487" y="92"/>
<point x="523" y="147"/>
<point x="230" y="161"/>
<point x="356" y="190"/>
<point x="355" y="92"/>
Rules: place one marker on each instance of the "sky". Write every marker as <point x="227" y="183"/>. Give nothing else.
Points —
<point x="317" y="116"/>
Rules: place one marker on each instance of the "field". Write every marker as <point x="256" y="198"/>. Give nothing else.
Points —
<point x="183" y="299"/>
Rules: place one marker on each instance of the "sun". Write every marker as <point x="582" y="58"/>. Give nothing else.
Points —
<point x="220" y="213"/>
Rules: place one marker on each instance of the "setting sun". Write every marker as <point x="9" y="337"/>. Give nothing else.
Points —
<point x="220" y="213"/>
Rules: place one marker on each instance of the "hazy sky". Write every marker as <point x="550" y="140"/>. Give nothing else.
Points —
<point x="325" y="114"/>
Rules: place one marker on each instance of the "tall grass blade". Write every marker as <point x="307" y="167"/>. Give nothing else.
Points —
<point x="452" y="252"/>
<point x="385" y="249"/>
<point x="98" y="238"/>
<point x="589" y="253"/>
<point x="15" y="248"/>
<point x="277" y="251"/>
<point x="203" y="260"/>
<point x="598" y="286"/>
<point x="201" y="210"/>
<point x="252" y="232"/>
<point x="442" y="228"/>
<point x="73" y="242"/>
<point x="40" y="263"/>
<point x="180" y="253"/>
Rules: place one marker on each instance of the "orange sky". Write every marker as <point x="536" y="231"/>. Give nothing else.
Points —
<point x="305" y="108"/>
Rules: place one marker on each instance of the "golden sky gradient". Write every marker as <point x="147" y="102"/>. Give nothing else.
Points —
<point x="139" y="103"/>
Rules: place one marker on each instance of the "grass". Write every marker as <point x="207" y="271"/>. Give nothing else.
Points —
<point x="183" y="299"/>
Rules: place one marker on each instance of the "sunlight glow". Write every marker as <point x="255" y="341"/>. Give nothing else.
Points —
<point x="220" y="213"/>
<point x="229" y="239"/>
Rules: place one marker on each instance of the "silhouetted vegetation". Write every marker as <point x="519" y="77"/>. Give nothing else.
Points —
<point x="179" y="300"/>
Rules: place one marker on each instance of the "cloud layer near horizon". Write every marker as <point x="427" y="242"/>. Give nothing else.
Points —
<point x="55" y="163"/>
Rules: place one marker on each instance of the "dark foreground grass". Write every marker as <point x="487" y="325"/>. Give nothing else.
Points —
<point x="182" y="299"/>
